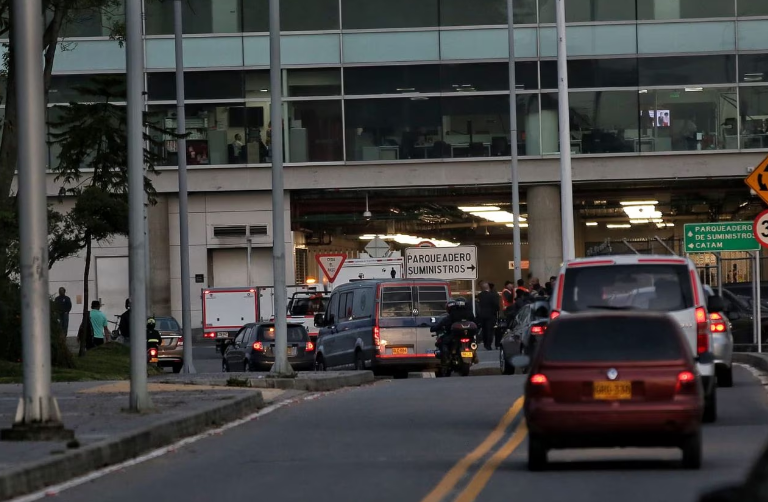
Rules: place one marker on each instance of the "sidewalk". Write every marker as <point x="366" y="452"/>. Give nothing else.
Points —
<point x="108" y="435"/>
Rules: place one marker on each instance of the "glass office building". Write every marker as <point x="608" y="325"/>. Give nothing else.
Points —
<point x="409" y="80"/>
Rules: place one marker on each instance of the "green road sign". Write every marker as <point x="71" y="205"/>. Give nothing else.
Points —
<point x="718" y="237"/>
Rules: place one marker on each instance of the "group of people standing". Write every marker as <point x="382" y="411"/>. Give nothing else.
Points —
<point x="490" y="308"/>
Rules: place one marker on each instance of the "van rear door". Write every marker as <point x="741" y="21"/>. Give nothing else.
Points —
<point x="397" y="323"/>
<point x="430" y="303"/>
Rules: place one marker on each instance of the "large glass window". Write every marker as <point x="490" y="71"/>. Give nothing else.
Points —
<point x="752" y="7"/>
<point x="67" y="88"/>
<point x="295" y="15"/>
<point x="601" y="122"/>
<point x="683" y="9"/>
<point x="485" y="12"/>
<point x="753" y="68"/>
<point x="314" y="132"/>
<point x="687" y="119"/>
<point x="590" y="73"/>
<point x="94" y="22"/>
<point x="379" y="14"/>
<point x="475" y="126"/>
<point x="754" y="117"/>
<point x="471" y="77"/>
<point x="391" y="79"/>
<point x="197" y="85"/>
<point x="314" y="82"/>
<point x="198" y="16"/>
<point x="578" y="11"/>
<point x="687" y="70"/>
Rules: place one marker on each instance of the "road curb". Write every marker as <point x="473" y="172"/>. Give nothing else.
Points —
<point x="34" y="476"/>
<point x="319" y="383"/>
<point x="759" y="361"/>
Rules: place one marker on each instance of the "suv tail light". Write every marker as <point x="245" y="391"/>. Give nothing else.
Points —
<point x="538" y="386"/>
<point x="179" y="341"/>
<point x="258" y="346"/>
<point x="153" y="352"/>
<point x="717" y="323"/>
<point x="538" y="330"/>
<point x="702" y="331"/>
<point x="554" y="315"/>
<point x="309" y="347"/>
<point x="376" y="336"/>
<point x="686" y="383"/>
<point x="539" y="379"/>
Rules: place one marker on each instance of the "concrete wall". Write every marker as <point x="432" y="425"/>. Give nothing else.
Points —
<point x="493" y="263"/>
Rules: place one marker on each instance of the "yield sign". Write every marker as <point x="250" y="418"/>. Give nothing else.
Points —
<point x="330" y="264"/>
<point x="758" y="180"/>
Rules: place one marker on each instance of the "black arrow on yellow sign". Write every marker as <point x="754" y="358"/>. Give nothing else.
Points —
<point x="758" y="180"/>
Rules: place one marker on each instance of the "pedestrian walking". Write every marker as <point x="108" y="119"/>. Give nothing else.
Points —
<point x="63" y="306"/>
<point x="125" y="323"/>
<point x="99" y="324"/>
<point x="488" y="312"/>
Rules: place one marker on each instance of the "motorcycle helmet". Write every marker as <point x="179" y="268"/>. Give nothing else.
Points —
<point x="450" y="305"/>
<point x="460" y="302"/>
<point x="150" y="323"/>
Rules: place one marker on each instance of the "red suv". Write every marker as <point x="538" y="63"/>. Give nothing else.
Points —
<point x="617" y="379"/>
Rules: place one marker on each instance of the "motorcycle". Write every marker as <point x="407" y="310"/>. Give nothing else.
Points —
<point x="459" y="342"/>
<point x="152" y="350"/>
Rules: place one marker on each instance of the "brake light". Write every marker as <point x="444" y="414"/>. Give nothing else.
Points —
<point x="258" y="346"/>
<point x="554" y="315"/>
<point x="376" y="336"/>
<point x="209" y="335"/>
<point x="538" y="330"/>
<point x="179" y="342"/>
<point x="716" y="323"/>
<point x="465" y="340"/>
<point x="310" y="347"/>
<point x="686" y="382"/>
<point x="702" y="331"/>
<point x="153" y="352"/>
<point x="539" y="379"/>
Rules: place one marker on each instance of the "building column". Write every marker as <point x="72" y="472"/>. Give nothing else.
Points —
<point x="544" y="231"/>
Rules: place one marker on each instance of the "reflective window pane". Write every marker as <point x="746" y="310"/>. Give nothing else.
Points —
<point x="684" y="9"/>
<point x="577" y="11"/>
<point x="257" y="84"/>
<point x="686" y="119"/>
<point x="588" y="73"/>
<point x="391" y="79"/>
<point x="69" y="88"/>
<point x="197" y="85"/>
<point x="687" y="70"/>
<point x="94" y="22"/>
<point x="198" y="16"/>
<point x="601" y="122"/>
<point x="485" y="12"/>
<point x="753" y="68"/>
<point x="314" y="82"/>
<point x="471" y="77"/>
<point x="393" y="129"/>
<point x="475" y="126"/>
<point x="752" y="7"/>
<point x="373" y="14"/>
<point x="295" y="15"/>
<point x="315" y="132"/>
<point x="754" y="117"/>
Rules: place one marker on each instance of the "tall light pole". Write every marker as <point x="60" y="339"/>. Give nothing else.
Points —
<point x="37" y="416"/>
<point x="516" y="251"/>
<point x="281" y="367"/>
<point x="566" y="181"/>
<point x="139" y="396"/>
<point x="181" y="142"/>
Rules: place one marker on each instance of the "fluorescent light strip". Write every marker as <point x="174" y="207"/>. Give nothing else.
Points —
<point x="620" y="225"/>
<point x="591" y="223"/>
<point x="409" y="239"/>
<point x="640" y="203"/>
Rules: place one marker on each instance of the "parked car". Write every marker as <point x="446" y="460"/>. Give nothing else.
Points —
<point x="253" y="348"/>
<point x="171" y="351"/>
<point x="615" y="379"/>
<point x="668" y="284"/>
<point x="722" y="344"/>
<point x="522" y="338"/>
<point x="381" y="324"/>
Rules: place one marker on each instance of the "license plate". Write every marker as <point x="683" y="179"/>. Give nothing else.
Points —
<point x="153" y="360"/>
<point x="467" y="354"/>
<point x="291" y="351"/>
<point x="399" y="351"/>
<point x="222" y="334"/>
<point x="612" y="391"/>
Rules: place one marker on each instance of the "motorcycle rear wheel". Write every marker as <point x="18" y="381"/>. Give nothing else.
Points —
<point x="464" y="370"/>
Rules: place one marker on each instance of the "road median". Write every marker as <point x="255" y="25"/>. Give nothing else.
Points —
<point x="308" y="382"/>
<point x="756" y="360"/>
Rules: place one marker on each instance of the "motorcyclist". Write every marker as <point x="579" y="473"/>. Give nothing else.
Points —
<point x="153" y="336"/>
<point x="456" y="311"/>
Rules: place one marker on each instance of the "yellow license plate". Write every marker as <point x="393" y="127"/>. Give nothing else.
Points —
<point x="466" y="354"/>
<point x="154" y="360"/>
<point x="399" y="351"/>
<point x="612" y="391"/>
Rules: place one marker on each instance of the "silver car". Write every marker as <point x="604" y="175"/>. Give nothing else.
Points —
<point x="722" y="344"/>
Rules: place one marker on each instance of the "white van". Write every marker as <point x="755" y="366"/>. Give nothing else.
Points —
<point x="648" y="283"/>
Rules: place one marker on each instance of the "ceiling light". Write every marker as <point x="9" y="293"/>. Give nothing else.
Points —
<point x="753" y="77"/>
<point x="670" y="224"/>
<point x="263" y="90"/>
<point x="474" y="209"/>
<point x="643" y="91"/>
<point x="409" y="239"/>
<point x="591" y="223"/>
<point x="642" y="212"/>
<point x="694" y="89"/>
<point x="639" y="222"/>
<point x="522" y="225"/>
<point x="620" y="225"/>
<point x="640" y="203"/>
<point x="406" y="89"/>
<point x="496" y="216"/>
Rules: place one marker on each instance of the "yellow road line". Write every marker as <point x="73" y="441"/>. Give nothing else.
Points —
<point x="481" y="478"/>
<point x="453" y="476"/>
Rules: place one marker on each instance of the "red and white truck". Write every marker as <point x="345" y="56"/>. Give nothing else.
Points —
<point x="226" y="310"/>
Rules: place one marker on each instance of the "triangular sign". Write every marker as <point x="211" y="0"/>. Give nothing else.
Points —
<point x="331" y="264"/>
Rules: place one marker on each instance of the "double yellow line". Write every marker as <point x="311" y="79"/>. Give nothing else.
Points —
<point x="483" y="475"/>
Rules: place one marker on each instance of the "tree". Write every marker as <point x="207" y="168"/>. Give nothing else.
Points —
<point x="93" y="167"/>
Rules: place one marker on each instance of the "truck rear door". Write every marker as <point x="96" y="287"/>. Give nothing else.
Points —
<point x="228" y="310"/>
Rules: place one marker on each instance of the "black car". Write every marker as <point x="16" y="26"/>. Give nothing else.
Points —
<point x="528" y="325"/>
<point x="253" y="348"/>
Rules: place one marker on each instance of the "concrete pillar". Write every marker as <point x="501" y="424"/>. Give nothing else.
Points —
<point x="159" y="258"/>
<point x="580" y="235"/>
<point x="544" y="231"/>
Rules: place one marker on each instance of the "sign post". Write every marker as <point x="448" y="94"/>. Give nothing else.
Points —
<point x="450" y="264"/>
<point x="719" y="237"/>
<point x="331" y="264"/>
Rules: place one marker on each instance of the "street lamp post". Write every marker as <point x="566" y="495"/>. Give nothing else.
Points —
<point x="516" y="246"/>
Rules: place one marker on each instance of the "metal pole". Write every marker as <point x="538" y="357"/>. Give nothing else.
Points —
<point x="474" y="301"/>
<point x="516" y="246"/>
<point x="281" y="367"/>
<point x="248" y="258"/>
<point x="719" y="275"/>
<point x="758" y="309"/>
<point x="566" y="183"/>
<point x="139" y="398"/>
<point x="37" y="406"/>
<point x="181" y="141"/>
<point x="755" y="311"/>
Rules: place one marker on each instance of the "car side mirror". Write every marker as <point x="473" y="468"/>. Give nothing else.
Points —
<point x="715" y="304"/>
<point x="319" y="320"/>
<point x="521" y="361"/>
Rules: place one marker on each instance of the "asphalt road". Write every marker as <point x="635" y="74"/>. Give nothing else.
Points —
<point x="429" y="440"/>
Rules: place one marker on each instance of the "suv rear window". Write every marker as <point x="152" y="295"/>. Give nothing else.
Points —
<point x="296" y="334"/>
<point x="305" y="305"/>
<point x="661" y="288"/>
<point x="603" y="339"/>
